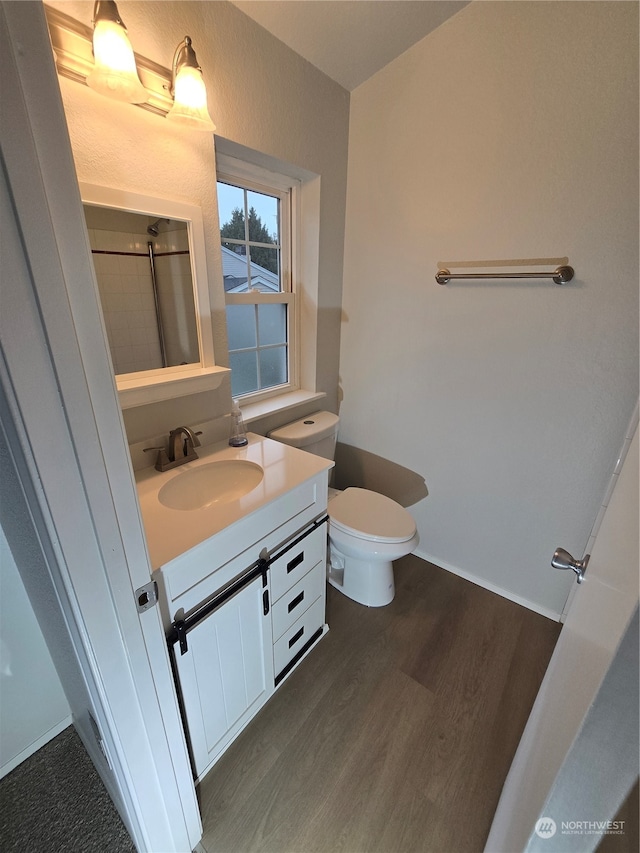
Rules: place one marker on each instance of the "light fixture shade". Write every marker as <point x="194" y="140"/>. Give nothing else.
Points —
<point x="114" y="73"/>
<point x="189" y="92"/>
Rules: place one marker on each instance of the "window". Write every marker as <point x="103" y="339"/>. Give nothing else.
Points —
<point x="256" y="244"/>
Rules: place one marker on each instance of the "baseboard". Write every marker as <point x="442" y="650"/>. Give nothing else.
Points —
<point x="35" y="746"/>
<point x="478" y="581"/>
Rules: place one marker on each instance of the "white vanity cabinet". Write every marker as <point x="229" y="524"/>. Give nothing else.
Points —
<point x="243" y="606"/>
<point x="232" y="651"/>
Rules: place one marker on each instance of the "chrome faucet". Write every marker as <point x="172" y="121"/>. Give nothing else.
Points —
<point x="182" y="443"/>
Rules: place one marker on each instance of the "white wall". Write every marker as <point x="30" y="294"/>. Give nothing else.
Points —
<point x="262" y="96"/>
<point x="33" y="707"/>
<point x="509" y="132"/>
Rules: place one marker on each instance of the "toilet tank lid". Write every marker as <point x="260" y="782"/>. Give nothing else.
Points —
<point x="307" y="430"/>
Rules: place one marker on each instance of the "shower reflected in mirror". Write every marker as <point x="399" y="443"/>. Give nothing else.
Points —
<point x="144" y="273"/>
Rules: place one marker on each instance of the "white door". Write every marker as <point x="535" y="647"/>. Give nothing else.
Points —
<point x="226" y="672"/>
<point x="578" y="756"/>
<point x="69" y="447"/>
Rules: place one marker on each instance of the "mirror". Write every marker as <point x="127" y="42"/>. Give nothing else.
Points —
<point x="143" y="270"/>
<point x="149" y="261"/>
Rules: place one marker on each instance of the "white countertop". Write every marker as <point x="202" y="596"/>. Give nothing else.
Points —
<point x="172" y="532"/>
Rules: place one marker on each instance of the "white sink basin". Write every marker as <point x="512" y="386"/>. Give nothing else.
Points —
<point x="214" y="482"/>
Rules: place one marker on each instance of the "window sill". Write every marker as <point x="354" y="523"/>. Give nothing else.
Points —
<point x="255" y="411"/>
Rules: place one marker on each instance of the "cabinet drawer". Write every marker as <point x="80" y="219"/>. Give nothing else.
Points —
<point x="298" y="635"/>
<point x="295" y="601"/>
<point x="294" y="565"/>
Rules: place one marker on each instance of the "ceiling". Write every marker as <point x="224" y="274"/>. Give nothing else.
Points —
<point x="349" y="40"/>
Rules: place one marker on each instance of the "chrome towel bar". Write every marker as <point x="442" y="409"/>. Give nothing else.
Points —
<point x="561" y="275"/>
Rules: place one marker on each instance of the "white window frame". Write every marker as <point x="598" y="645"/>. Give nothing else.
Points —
<point x="252" y="177"/>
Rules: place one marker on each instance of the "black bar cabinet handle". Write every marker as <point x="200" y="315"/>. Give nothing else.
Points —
<point x="291" y="565"/>
<point x="296" y="636"/>
<point x="296" y="601"/>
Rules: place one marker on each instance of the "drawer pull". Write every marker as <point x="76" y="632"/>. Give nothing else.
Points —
<point x="296" y="636"/>
<point x="295" y="562"/>
<point x="296" y="601"/>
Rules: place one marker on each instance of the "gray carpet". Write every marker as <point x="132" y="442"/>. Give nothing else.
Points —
<point x="55" y="801"/>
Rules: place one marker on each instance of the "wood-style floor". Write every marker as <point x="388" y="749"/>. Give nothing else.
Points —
<point x="395" y="734"/>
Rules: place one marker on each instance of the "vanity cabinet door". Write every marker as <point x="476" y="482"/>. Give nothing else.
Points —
<point x="227" y="673"/>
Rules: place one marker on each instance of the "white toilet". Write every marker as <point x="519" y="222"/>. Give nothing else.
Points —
<point x="367" y="531"/>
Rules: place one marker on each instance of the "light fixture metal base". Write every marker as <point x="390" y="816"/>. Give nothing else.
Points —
<point x="72" y="46"/>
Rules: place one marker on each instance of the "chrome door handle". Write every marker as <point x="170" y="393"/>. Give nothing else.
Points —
<point x="563" y="560"/>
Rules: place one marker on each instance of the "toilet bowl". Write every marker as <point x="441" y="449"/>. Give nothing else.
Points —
<point x="367" y="531"/>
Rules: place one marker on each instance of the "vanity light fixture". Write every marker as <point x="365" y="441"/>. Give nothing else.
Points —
<point x="179" y="93"/>
<point x="188" y="90"/>
<point x="114" y="73"/>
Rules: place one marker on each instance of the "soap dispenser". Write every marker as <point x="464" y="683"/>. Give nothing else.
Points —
<point x="237" y="434"/>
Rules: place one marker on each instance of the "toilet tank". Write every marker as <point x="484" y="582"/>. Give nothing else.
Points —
<point x="314" y="433"/>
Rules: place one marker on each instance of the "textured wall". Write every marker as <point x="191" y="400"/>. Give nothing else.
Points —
<point x="509" y="132"/>
<point x="262" y="96"/>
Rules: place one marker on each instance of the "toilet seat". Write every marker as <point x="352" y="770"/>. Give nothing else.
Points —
<point x="371" y="516"/>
